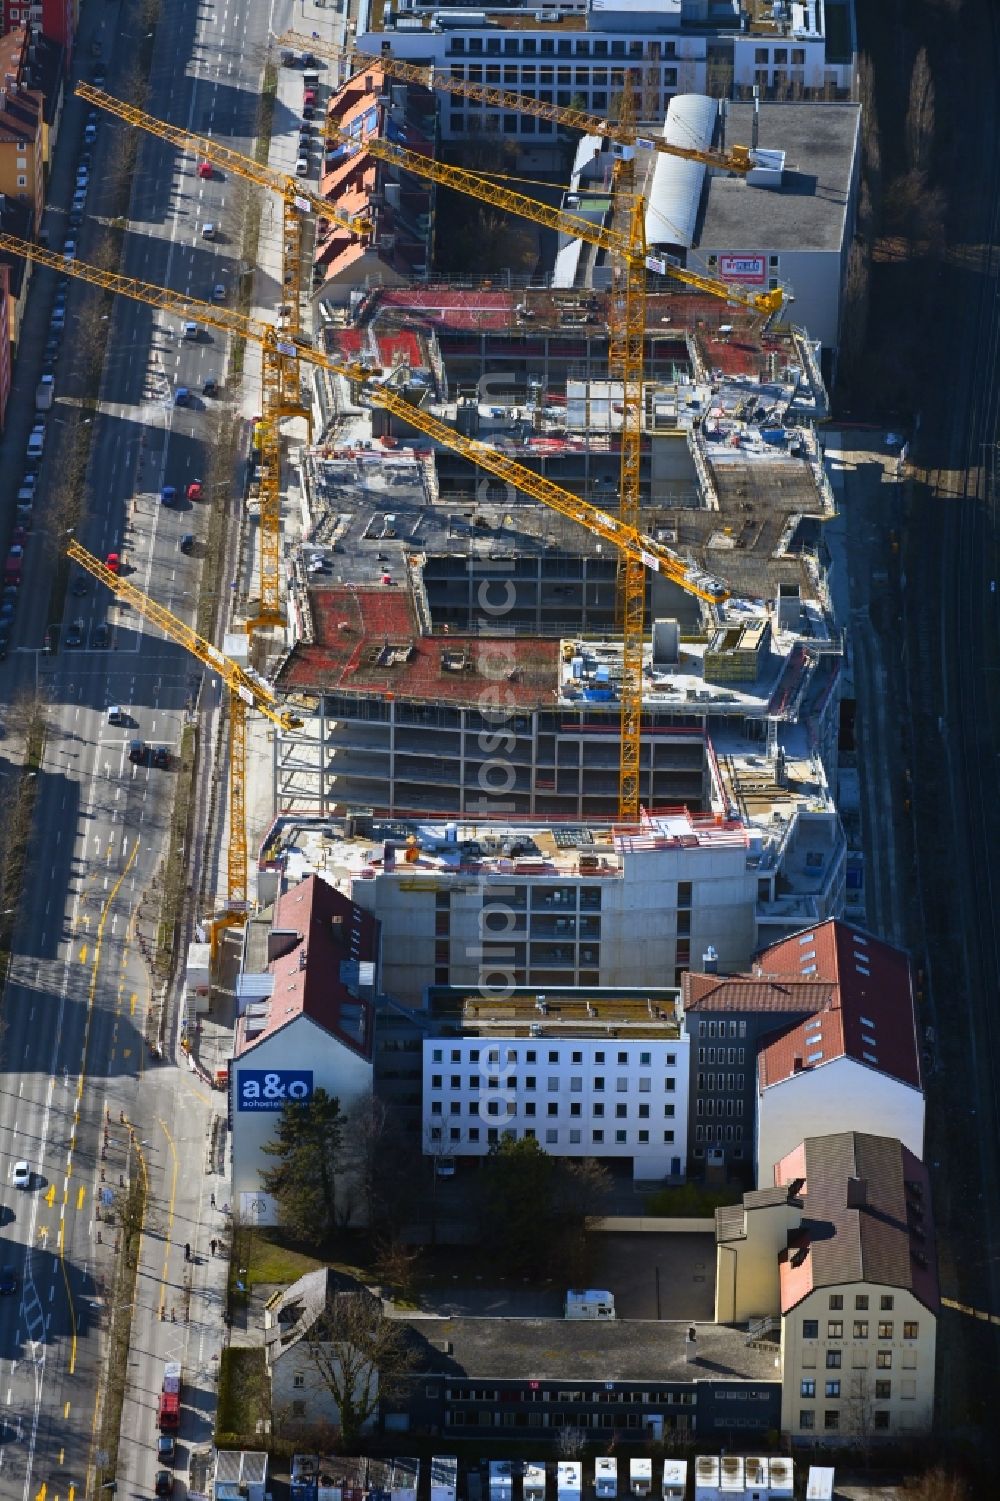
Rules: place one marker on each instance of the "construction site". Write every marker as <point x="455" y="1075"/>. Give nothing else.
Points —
<point x="581" y="523"/>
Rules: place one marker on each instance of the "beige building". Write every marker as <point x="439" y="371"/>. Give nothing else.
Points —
<point x="838" y="1262"/>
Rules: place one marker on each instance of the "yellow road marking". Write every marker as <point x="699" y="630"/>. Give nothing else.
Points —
<point x="91" y="993"/>
<point x="83" y="954"/>
<point x="41" y="1492"/>
<point x="66" y="1411"/>
<point x="131" y="1003"/>
<point x="72" y="1492"/>
<point x="170" y="1215"/>
<point x="50" y="1195"/>
<point x="81" y="1194"/>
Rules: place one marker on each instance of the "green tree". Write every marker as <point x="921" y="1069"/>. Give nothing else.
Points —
<point x="520" y="1202"/>
<point x="308" y="1146"/>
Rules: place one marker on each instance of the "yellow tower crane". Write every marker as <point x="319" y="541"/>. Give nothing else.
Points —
<point x="627" y="539"/>
<point x="626" y="242"/>
<point x="622" y="131"/>
<point x="246" y="691"/>
<point x="279" y="375"/>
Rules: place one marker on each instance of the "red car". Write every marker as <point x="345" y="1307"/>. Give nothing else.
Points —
<point x="204" y="169"/>
<point x="194" y="490"/>
<point x="113" y="562"/>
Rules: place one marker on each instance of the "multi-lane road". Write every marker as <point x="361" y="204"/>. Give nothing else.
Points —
<point x="73" y="1053"/>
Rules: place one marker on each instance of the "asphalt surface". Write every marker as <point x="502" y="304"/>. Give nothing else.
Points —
<point x="75" y="1063"/>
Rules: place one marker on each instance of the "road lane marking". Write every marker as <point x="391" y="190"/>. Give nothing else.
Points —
<point x="81" y="1195"/>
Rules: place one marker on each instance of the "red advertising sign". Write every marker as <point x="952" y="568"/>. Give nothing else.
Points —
<point x="752" y="268"/>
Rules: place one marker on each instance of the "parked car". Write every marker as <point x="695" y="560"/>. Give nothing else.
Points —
<point x="218" y="292"/>
<point x="101" y="637"/>
<point x="182" y="397"/>
<point x="90" y="132"/>
<point x="69" y="251"/>
<point x="302" y="166"/>
<point x="205" y="169"/>
<point x="194" y="490"/>
<point x="74" y="636"/>
<point x="166" y="1448"/>
<point x="113" y="562"/>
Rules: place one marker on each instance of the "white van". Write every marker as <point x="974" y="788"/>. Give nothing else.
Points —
<point x="117" y="715"/>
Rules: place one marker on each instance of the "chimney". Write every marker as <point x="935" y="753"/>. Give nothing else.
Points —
<point x="797" y="1064"/>
<point x="710" y="961"/>
<point x="857" y="1193"/>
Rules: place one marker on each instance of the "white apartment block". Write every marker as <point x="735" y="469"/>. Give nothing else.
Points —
<point x="605" y="1078"/>
<point x="575" y="54"/>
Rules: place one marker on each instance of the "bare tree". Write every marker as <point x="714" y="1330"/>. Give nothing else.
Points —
<point x="937" y="1485"/>
<point x="570" y="1443"/>
<point x="920" y="115"/>
<point x="359" y="1356"/>
<point x="396" y="1265"/>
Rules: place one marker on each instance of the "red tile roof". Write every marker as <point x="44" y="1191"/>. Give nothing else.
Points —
<point x="321" y="936"/>
<point x="358" y="629"/>
<point x="755" y="993"/>
<point x="867" y="1218"/>
<point x="871" y="1016"/>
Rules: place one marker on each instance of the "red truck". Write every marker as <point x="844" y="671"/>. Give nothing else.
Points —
<point x="14" y="565"/>
<point x="168" y="1412"/>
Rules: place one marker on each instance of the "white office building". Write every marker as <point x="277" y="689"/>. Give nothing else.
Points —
<point x="574" y="52"/>
<point x="604" y="1077"/>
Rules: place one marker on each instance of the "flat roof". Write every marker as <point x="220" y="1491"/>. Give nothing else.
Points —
<point x="368" y="641"/>
<point x="809" y="210"/>
<point x="558" y="1349"/>
<point x="586" y="1015"/>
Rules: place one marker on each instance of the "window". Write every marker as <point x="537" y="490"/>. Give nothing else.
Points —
<point x="881" y="1421"/>
<point x="883" y="1360"/>
<point x="530" y="1081"/>
<point x="597" y="1136"/>
<point x="860" y="1328"/>
<point x="833" y="1360"/>
<point x="835" y="1329"/>
<point x="861" y="1302"/>
<point x="621" y="1086"/>
<point x="807" y="1389"/>
<point x="552" y="1109"/>
<point x="885" y="1302"/>
<point x="671" y="1060"/>
<point x="831" y="1420"/>
<point x="911" y="1331"/>
<point x="781" y="55"/>
<point x="598" y="1111"/>
<point x="574" y="1138"/>
<point x="833" y="1388"/>
<point x="810" y="1328"/>
<point x="621" y="1137"/>
<point x="298" y="1379"/>
<point x="435" y="1107"/>
<point x="643" y="1138"/>
<point x="644" y="1112"/>
<point x="798" y="56"/>
<point x="645" y="1060"/>
<point x="435" y="1081"/>
<point x="883" y="1391"/>
<point x="670" y="1085"/>
<point x="760" y="54"/>
<point x="553" y="1056"/>
<point x="668" y="1136"/>
<point x="529" y="1109"/>
<point x="576" y="1110"/>
<point x="621" y="1112"/>
<point x="668" y="1112"/>
<point x="577" y="1058"/>
<point x="807" y="1419"/>
<point x="836" y="1300"/>
<point x="885" y="1330"/>
<point x="645" y="1084"/>
<point x="551" y="1137"/>
<point x="530" y="1056"/>
<point x="599" y="1084"/>
<point x="456" y="1081"/>
<point x="437" y="1056"/>
<point x="622" y="1058"/>
<point x="473" y="1133"/>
